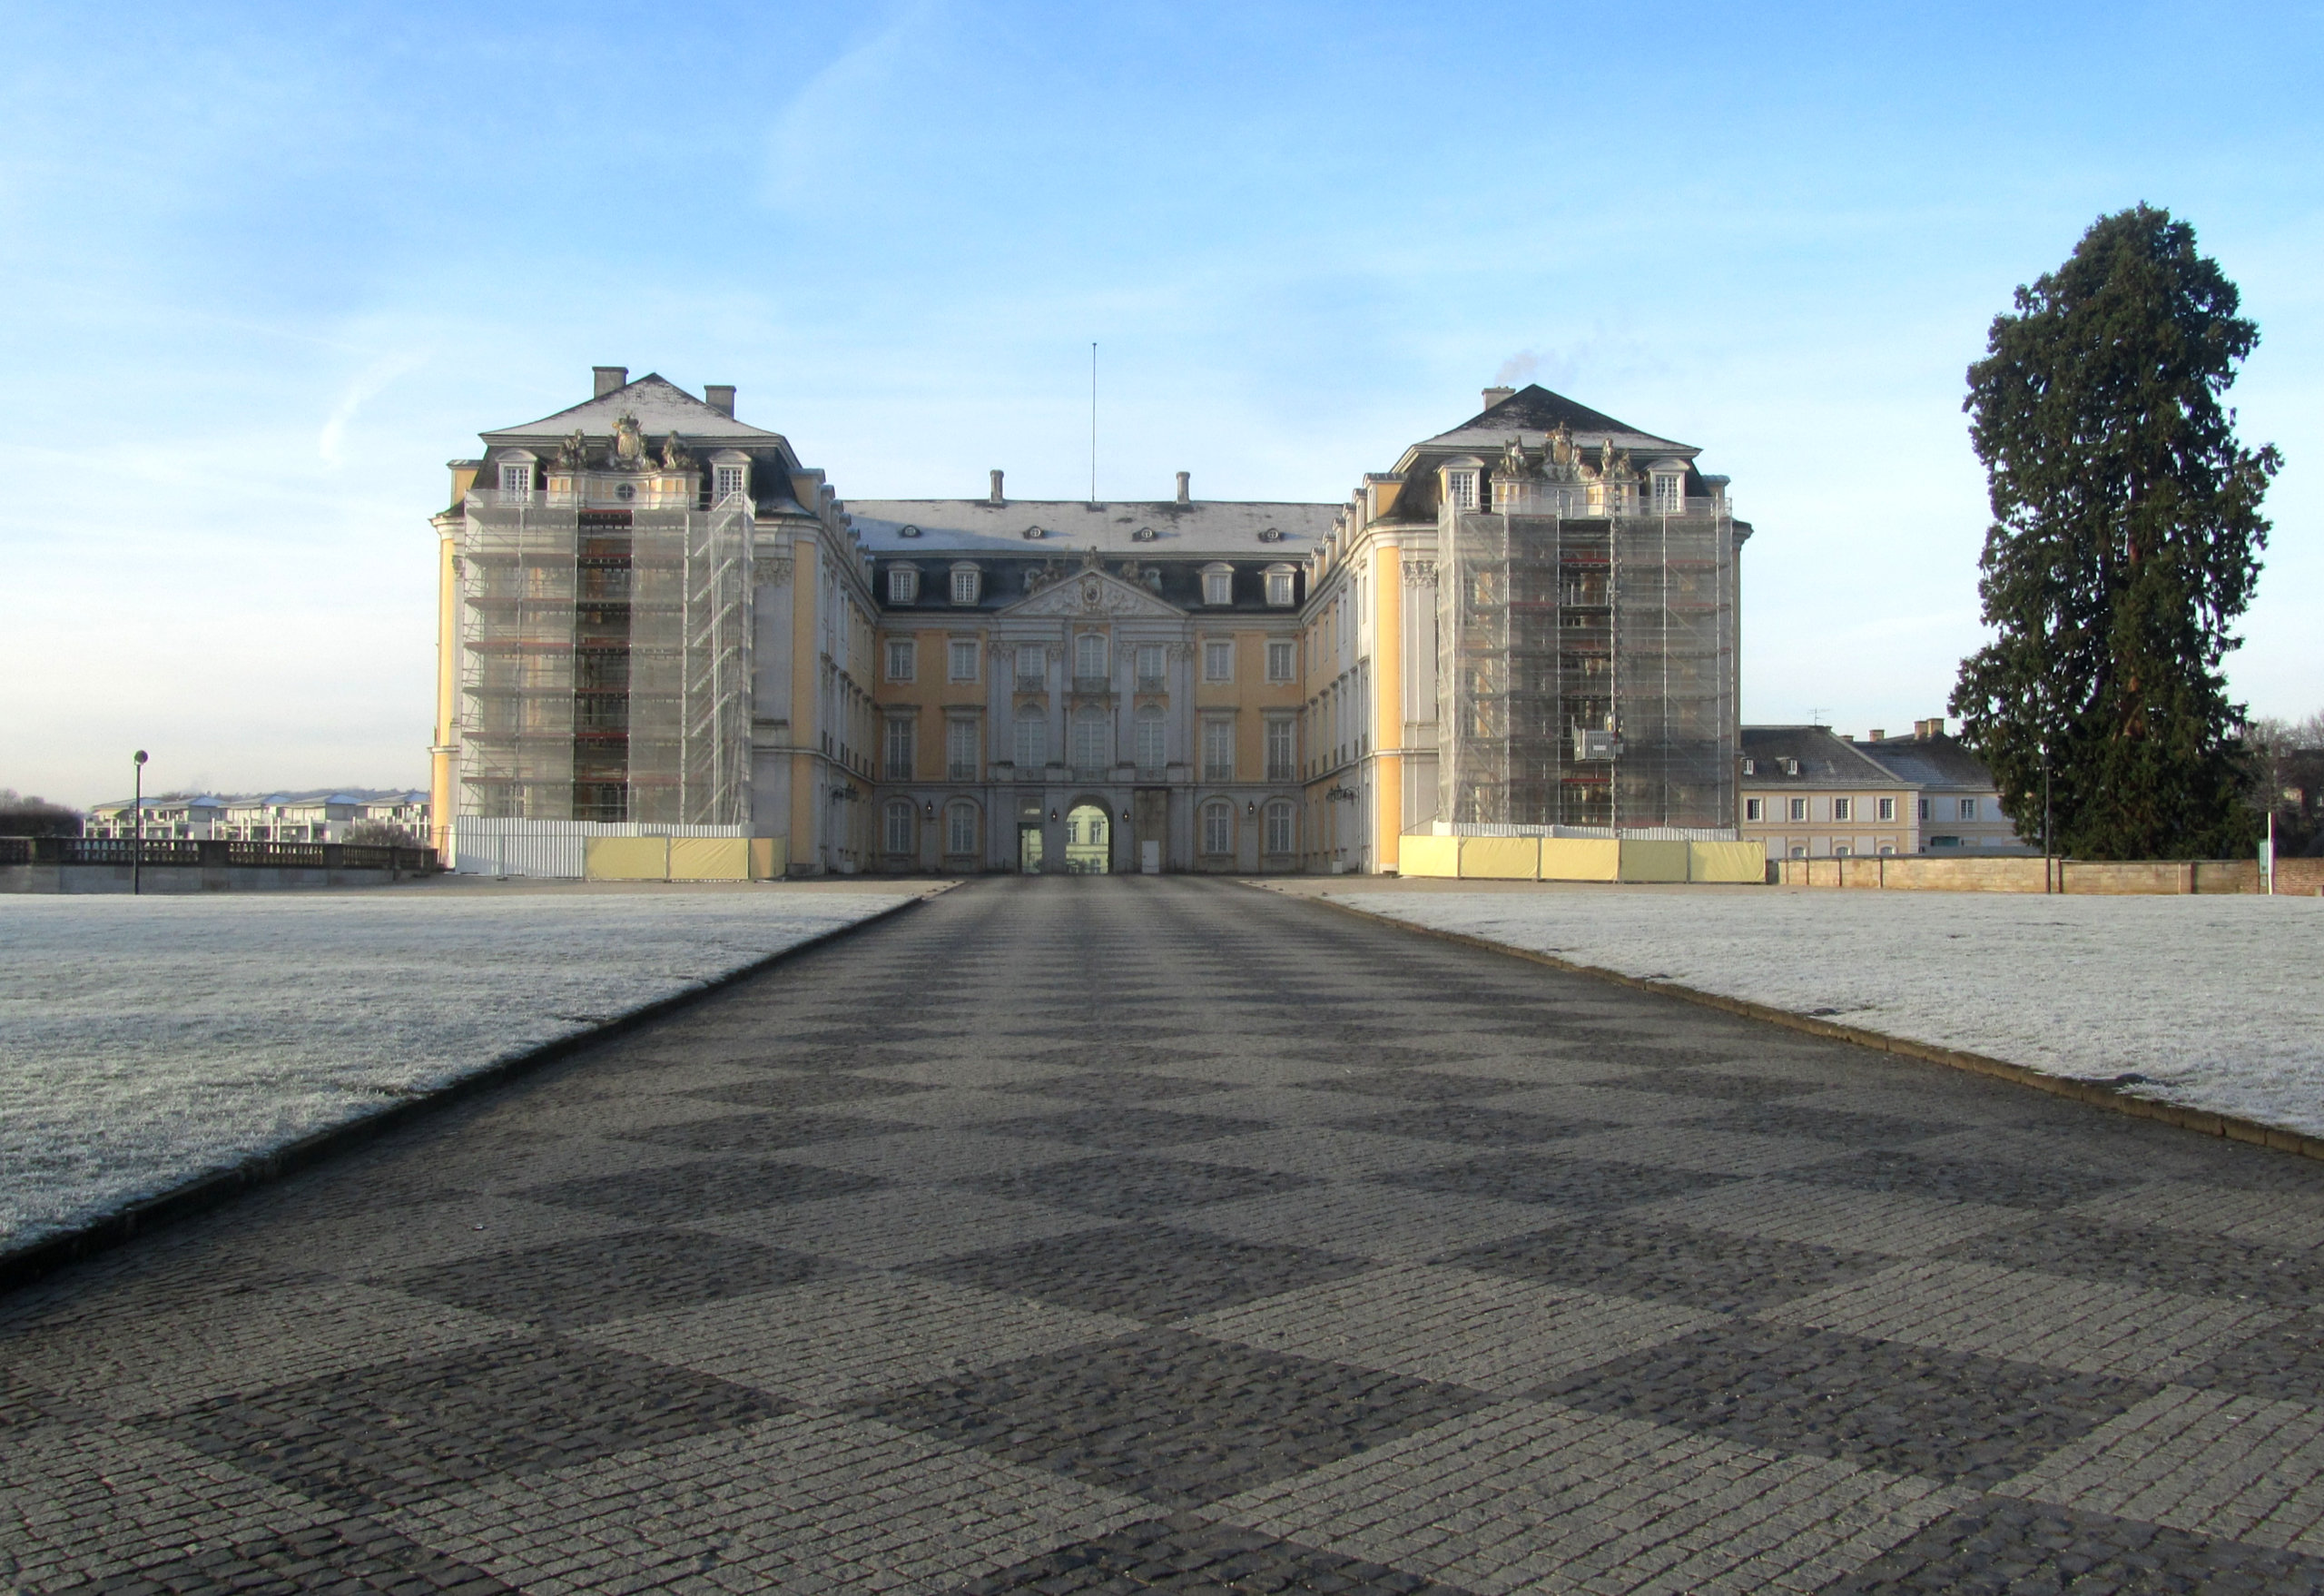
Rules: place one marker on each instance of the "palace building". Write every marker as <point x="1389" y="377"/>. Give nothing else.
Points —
<point x="656" y="619"/>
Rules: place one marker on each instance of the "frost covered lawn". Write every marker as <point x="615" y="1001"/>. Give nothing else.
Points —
<point x="145" y="1041"/>
<point x="2218" y="1001"/>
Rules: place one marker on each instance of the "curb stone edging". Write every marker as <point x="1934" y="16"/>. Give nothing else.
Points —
<point x="2104" y="1094"/>
<point x="23" y="1265"/>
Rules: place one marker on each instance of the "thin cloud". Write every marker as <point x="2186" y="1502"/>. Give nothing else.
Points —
<point x="366" y="387"/>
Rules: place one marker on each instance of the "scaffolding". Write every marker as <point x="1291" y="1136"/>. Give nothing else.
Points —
<point x="1588" y="662"/>
<point x="604" y="661"/>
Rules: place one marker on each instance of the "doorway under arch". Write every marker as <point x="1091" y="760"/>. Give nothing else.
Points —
<point x="1088" y="840"/>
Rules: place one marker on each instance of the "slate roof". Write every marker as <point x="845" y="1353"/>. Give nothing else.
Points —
<point x="1204" y="529"/>
<point x="1826" y="759"/>
<point x="1531" y="413"/>
<point x="660" y="405"/>
<point x="1929" y="762"/>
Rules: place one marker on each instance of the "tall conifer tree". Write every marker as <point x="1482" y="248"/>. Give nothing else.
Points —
<point x="2126" y="542"/>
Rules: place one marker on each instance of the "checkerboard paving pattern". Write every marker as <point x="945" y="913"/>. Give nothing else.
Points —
<point x="1150" y="1234"/>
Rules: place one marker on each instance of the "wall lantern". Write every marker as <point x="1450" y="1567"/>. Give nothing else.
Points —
<point x="1053" y="814"/>
<point x="1252" y="808"/>
<point x="1124" y="817"/>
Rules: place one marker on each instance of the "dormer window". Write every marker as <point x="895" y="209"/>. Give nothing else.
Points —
<point x="727" y="481"/>
<point x="516" y="479"/>
<point x="1218" y="584"/>
<point x="1461" y="481"/>
<point x="1669" y="488"/>
<point x="904" y="583"/>
<point x="1281" y="588"/>
<point x="968" y="582"/>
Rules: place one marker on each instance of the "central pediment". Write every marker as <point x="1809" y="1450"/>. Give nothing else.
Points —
<point x="1096" y="594"/>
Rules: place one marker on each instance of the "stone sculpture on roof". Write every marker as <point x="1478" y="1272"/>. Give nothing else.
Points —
<point x="629" y="445"/>
<point x="575" y="450"/>
<point x="674" y="458"/>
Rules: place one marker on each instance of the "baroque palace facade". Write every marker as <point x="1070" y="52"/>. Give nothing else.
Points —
<point x="654" y="616"/>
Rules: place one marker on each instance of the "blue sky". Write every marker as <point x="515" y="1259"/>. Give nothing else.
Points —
<point x="264" y="269"/>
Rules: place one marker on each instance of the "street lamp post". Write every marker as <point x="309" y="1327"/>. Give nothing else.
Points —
<point x="137" y="808"/>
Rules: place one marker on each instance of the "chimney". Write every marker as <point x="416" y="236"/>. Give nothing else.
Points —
<point x="719" y="397"/>
<point x="1186" y="495"/>
<point x="1878" y="734"/>
<point x="1493" y="396"/>
<point x="995" y="496"/>
<point x="610" y="377"/>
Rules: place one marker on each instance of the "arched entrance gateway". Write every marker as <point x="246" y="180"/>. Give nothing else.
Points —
<point x="1088" y="840"/>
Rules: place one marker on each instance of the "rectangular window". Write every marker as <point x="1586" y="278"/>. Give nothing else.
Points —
<point x="961" y="752"/>
<point x="1923" y="809"/>
<point x="1218" y="751"/>
<point x="1282" y="661"/>
<point x="1278" y="834"/>
<point x="1149" y="667"/>
<point x="1279" y="758"/>
<point x="1755" y="809"/>
<point x="1968" y="809"/>
<point x="901" y="662"/>
<point x="964" y="661"/>
<point x="1093" y="740"/>
<point x="1219" y="661"/>
<point x="1032" y="668"/>
<point x="1032" y="742"/>
<point x="1089" y="655"/>
<point x="964" y="587"/>
<point x="900" y="828"/>
<point x="1843" y="809"/>
<point x="1218" y="828"/>
<point x="516" y="481"/>
<point x="728" y="481"/>
<point x="1799" y="809"/>
<point x="904" y="583"/>
<point x="1218" y="587"/>
<point x="1153" y="740"/>
<point x="1279" y="588"/>
<point x="1669" y="494"/>
<point x="1463" y="487"/>
<point x="961" y="829"/>
<point x="1887" y="809"/>
<point x="899" y="751"/>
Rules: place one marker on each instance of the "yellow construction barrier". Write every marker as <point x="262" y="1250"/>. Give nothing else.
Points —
<point x="1654" y="861"/>
<point x="627" y="858"/>
<point x="1728" y="861"/>
<point x="710" y="859"/>
<point x="1420" y="855"/>
<point x="1501" y="859"/>
<point x="770" y="857"/>
<point x="1581" y="858"/>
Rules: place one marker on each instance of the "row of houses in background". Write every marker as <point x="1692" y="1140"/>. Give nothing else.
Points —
<point x="1808" y="792"/>
<point x="1803" y="791"/>
<point x="323" y="815"/>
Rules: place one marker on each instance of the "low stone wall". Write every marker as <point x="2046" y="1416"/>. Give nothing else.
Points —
<point x="187" y="878"/>
<point x="2136" y="877"/>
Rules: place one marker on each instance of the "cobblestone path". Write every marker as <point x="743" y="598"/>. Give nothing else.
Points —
<point x="1077" y="1236"/>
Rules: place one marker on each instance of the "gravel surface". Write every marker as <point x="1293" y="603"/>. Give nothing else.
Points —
<point x="2217" y="1003"/>
<point x="146" y="1041"/>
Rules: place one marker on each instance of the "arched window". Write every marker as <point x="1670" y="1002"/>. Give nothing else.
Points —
<point x="1153" y="738"/>
<point x="1280" y="828"/>
<point x="899" y="826"/>
<point x="1218" y="827"/>
<point x="1090" y="654"/>
<point x="1092" y="740"/>
<point x="961" y="829"/>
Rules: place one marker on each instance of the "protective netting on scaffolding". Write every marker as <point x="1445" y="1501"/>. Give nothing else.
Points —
<point x="1588" y="659"/>
<point x="517" y="582"/>
<point x="606" y="663"/>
